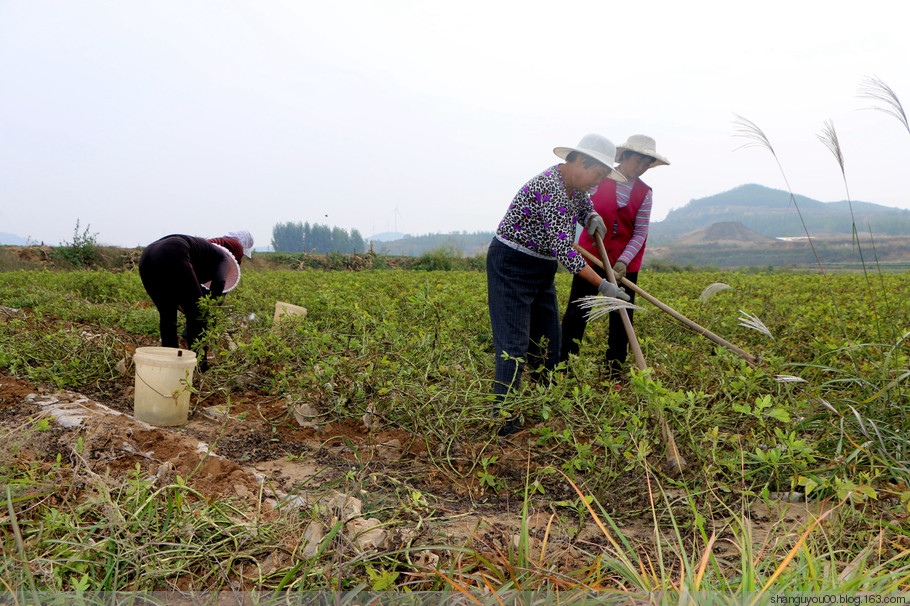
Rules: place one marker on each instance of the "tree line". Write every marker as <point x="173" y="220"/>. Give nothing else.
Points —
<point x="296" y="237"/>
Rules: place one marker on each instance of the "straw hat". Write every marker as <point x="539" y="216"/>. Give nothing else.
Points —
<point x="233" y="276"/>
<point x="644" y="145"/>
<point x="597" y="147"/>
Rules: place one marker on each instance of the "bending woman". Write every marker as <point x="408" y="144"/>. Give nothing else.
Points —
<point x="175" y="270"/>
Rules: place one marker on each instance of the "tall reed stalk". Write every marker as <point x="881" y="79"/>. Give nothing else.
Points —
<point x="890" y="389"/>
<point x="829" y="139"/>
<point x="887" y="101"/>
<point x="875" y="89"/>
<point x="755" y="137"/>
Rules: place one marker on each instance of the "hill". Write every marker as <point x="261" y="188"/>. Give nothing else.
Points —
<point x="728" y="233"/>
<point x="771" y="213"/>
<point x="890" y="253"/>
<point x="463" y="243"/>
<point x="12" y="239"/>
<point x="386" y="236"/>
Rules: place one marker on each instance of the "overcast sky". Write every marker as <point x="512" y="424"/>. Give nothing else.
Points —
<point x="140" y="119"/>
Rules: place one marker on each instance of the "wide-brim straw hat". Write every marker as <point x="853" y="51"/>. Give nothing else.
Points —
<point x="598" y="147"/>
<point x="644" y="145"/>
<point x="233" y="276"/>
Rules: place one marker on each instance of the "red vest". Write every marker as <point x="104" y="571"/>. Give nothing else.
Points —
<point x="605" y="205"/>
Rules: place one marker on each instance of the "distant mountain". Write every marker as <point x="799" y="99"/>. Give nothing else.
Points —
<point x="386" y="236"/>
<point x="12" y="239"/>
<point x="463" y="243"/>
<point x="771" y="213"/>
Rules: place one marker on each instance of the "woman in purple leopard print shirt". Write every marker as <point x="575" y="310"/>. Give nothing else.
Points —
<point x="535" y="235"/>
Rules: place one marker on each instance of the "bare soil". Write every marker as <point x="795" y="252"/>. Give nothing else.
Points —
<point x="248" y="457"/>
<point x="252" y="449"/>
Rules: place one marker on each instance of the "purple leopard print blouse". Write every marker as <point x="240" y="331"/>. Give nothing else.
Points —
<point x="541" y="219"/>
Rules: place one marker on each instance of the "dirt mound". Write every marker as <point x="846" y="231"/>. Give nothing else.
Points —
<point x="29" y="255"/>
<point x="728" y="233"/>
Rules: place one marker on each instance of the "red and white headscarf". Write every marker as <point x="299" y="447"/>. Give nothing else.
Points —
<point x="245" y="239"/>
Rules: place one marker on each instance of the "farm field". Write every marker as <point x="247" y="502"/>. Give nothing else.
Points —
<point x="356" y="449"/>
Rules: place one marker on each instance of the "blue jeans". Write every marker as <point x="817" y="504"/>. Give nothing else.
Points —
<point x="523" y="313"/>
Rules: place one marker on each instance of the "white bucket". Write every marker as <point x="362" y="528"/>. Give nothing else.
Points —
<point x="286" y="309"/>
<point x="162" y="389"/>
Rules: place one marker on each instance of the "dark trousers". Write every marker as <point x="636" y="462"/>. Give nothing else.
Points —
<point x="170" y="281"/>
<point x="524" y="313"/>
<point x="574" y="322"/>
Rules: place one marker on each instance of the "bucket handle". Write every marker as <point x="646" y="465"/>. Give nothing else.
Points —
<point x="171" y="396"/>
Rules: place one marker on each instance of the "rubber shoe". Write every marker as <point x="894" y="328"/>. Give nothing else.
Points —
<point x="511" y="427"/>
<point x="614" y="370"/>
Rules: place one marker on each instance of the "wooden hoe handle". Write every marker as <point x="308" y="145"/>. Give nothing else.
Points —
<point x="675" y="463"/>
<point x="626" y="321"/>
<point x="673" y="313"/>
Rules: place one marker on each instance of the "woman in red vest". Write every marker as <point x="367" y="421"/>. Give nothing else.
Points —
<point x="626" y="211"/>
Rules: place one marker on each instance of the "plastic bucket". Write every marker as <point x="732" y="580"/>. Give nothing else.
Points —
<point x="286" y="309"/>
<point x="163" y="379"/>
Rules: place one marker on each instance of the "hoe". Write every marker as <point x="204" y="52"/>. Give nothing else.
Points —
<point x="675" y="463"/>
